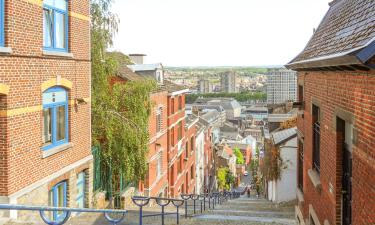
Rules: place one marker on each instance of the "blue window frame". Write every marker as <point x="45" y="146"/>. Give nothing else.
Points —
<point x="58" y="198"/>
<point x="81" y="185"/>
<point x="1" y="23"/>
<point x="55" y="117"/>
<point x="55" y="25"/>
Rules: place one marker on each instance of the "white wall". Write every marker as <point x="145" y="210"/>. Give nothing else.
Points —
<point x="285" y="189"/>
<point x="199" y="165"/>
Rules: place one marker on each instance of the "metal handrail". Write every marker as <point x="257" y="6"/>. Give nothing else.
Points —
<point x="43" y="209"/>
<point x="213" y="199"/>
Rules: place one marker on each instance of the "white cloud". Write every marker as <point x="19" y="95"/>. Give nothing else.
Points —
<point x="217" y="32"/>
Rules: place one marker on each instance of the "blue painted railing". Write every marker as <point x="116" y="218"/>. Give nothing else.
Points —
<point x="67" y="211"/>
<point x="189" y="201"/>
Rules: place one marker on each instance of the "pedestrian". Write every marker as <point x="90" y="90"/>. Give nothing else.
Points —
<point x="248" y="191"/>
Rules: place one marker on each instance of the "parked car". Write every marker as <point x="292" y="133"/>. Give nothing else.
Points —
<point x="246" y="173"/>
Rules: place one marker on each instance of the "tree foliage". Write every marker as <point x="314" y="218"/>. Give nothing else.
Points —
<point x="240" y="159"/>
<point x="120" y="112"/>
<point x="225" y="178"/>
<point x="241" y="97"/>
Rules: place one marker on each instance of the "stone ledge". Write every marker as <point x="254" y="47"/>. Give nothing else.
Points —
<point x="56" y="150"/>
<point x="57" y="53"/>
<point x="300" y="196"/>
<point x="5" y="50"/>
<point x="315" y="179"/>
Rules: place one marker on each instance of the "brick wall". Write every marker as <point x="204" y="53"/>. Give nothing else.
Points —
<point x="353" y="93"/>
<point x="158" y="147"/>
<point x="24" y="71"/>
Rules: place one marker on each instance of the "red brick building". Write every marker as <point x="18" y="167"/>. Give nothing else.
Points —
<point x="336" y="86"/>
<point x="156" y="182"/>
<point x="45" y="132"/>
<point x="177" y="140"/>
<point x="172" y="135"/>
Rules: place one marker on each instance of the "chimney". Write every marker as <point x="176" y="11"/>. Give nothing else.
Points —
<point x="137" y="58"/>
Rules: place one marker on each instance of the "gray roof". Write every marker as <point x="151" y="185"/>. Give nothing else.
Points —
<point x="344" y="37"/>
<point x="226" y="104"/>
<point x="145" y="67"/>
<point x="284" y="135"/>
<point x="211" y="116"/>
<point x="126" y="73"/>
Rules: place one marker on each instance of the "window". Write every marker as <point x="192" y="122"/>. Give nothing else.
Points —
<point x="316" y="138"/>
<point x="172" y="106"/>
<point x="172" y="136"/>
<point x="159" y="166"/>
<point x="58" y="198"/>
<point x="192" y="144"/>
<point x="55" y="25"/>
<point x="179" y="165"/>
<point x="81" y="188"/>
<point x="55" y="117"/>
<point x="159" y="119"/>
<point x="1" y="22"/>
<point x="179" y="102"/>
<point x="300" y="93"/>
<point x="179" y="131"/>
<point x="300" y="165"/>
<point x="187" y="150"/>
<point x="192" y="172"/>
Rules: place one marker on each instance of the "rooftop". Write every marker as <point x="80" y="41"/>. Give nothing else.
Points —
<point x="346" y="36"/>
<point x="145" y="67"/>
<point x="283" y="135"/>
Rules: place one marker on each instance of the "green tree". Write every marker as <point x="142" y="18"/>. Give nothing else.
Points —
<point x="225" y="178"/>
<point x="240" y="159"/>
<point x="221" y="177"/>
<point x="119" y="122"/>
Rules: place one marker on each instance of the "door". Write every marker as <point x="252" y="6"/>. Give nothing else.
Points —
<point x="347" y="187"/>
<point x="58" y="199"/>
<point x="81" y="190"/>
<point x="344" y="140"/>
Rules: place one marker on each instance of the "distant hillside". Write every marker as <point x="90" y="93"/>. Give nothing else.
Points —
<point x="248" y="70"/>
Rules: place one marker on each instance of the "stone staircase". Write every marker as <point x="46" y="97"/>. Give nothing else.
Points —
<point x="244" y="210"/>
<point x="241" y="211"/>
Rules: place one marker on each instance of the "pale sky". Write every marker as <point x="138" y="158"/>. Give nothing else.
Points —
<point x="217" y="32"/>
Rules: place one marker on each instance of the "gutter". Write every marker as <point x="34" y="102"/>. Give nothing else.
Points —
<point x="355" y="56"/>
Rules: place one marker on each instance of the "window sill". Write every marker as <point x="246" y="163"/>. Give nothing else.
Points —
<point x="57" y="53"/>
<point x="300" y="196"/>
<point x="5" y="50"/>
<point x="315" y="179"/>
<point x="57" y="149"/>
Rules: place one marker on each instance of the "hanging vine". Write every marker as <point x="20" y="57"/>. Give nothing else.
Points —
<point x="120" y="112"/>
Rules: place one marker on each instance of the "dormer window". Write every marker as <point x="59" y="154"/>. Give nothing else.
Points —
<point x="159" y="77"/>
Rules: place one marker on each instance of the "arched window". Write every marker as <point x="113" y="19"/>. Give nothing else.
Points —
<point x="1" y="23"/>
<point x="58" y="198"/>
<point x="55" y="25"/>
<point x="55" y="117"/>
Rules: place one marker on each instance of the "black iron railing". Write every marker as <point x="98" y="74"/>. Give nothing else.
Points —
<point x="194" y="203"/>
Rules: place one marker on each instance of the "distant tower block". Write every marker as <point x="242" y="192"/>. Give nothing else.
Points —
<point x="137" y="58"/>
<point x="228" y="82"/>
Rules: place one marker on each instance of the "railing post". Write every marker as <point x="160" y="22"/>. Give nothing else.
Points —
<point x="186" y="208"/>
<point x="140" y="215"/>
<point x="201" y="207"/>
<point x="162" y="215"/>
<point x="204" y="202"/>
<point x="178" y="215"/>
